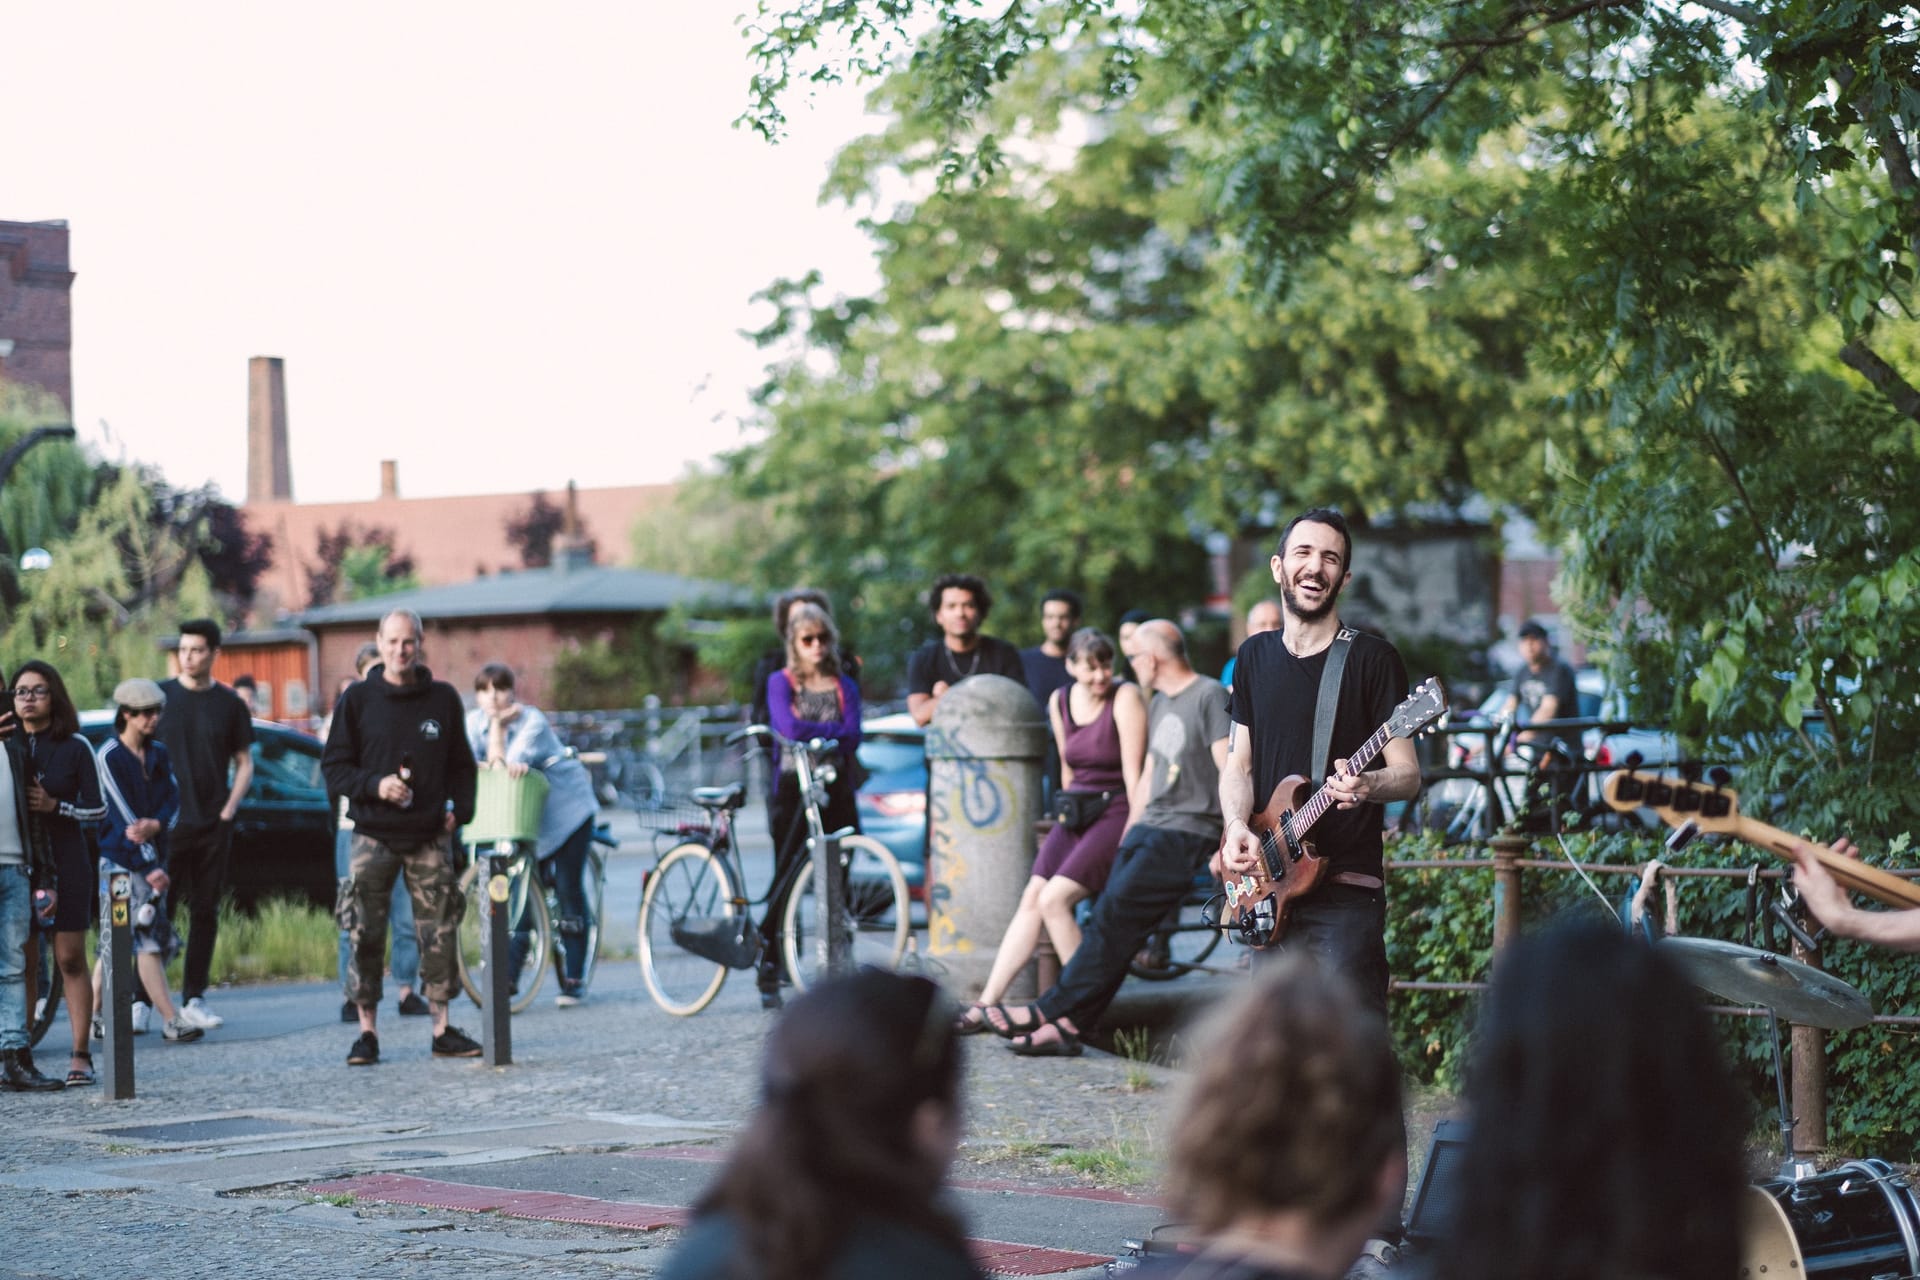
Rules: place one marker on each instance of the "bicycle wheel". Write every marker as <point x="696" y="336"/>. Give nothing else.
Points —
<point x="877" y="915"/>
<point x="595" y="876"/>
<point x="45" y="989"/>
<point x="688" y="884"/>
<point x="1172" y="952"/>
<point x="523" y="894"/>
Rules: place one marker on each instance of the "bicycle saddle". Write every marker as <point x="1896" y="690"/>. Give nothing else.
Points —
<point x="731" y="797"/>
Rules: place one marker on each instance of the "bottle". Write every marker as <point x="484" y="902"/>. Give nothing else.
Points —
<point x="43" y="907"/>
<point x="406" y="775"/>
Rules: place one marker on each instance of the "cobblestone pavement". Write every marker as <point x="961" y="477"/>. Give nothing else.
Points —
<point x="88" y="1184"/>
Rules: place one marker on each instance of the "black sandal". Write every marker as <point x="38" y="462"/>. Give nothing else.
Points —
<point x="1005" y="1027"/>
<point x="965" y="1024"/>
<point x="1067" y="1046"/>
<point x="80" y="1076"/>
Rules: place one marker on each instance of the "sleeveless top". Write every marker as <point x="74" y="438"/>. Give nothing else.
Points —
<point x="1093" y="749"/>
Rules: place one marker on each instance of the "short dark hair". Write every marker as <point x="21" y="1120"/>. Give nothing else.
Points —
<point x="1329" y="516"/>
<point x="982" y="598"/>
<point x="1135" y="616"/>
<point x="65" y="721"/>
<point x="1531" y="630"/>
<point x="206" y="628"/>
<point x="495" y="675"/>
<point x="1071" y="599"/>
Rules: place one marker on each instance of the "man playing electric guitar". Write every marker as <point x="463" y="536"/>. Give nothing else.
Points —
<point x="1276" y="691"/>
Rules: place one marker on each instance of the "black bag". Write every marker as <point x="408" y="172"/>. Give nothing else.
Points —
<point x="1077" y="810"/>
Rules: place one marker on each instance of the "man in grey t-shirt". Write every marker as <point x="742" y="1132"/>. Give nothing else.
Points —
<point x="1177" y="831"/>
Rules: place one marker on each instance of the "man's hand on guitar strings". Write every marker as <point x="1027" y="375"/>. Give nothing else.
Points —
<point x="1240" y="848"/>
<point x="1348" y="790"/>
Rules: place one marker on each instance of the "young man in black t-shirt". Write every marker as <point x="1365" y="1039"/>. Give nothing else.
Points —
<point x="960" y="603"/>
<point x="1276" y="688"/>
<point x="207" y="729"/>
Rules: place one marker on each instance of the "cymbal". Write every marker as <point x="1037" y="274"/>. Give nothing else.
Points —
<point x="1794" y="991"/>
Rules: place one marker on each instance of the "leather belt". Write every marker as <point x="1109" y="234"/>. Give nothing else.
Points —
<point x="1358" y="879"/>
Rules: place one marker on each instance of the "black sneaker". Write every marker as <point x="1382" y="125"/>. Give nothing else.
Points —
<point x="365" y="1051"/>
<point x="412" y="1006"/>
<point x="349" y="1012"/>
<point x="455" y="1043"/>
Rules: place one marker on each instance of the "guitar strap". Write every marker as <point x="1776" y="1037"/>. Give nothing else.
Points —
<point x="1329" y="703"/>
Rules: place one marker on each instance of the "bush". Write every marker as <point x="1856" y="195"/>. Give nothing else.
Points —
<point x="1440" y="929"/>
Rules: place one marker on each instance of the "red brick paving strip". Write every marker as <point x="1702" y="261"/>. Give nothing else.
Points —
<point x="996" y="1256"/>
<point x="714" y="1155"/>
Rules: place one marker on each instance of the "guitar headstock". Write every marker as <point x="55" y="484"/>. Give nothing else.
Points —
<point x="1422" y="707"/>
<point x="1678" y="801"/>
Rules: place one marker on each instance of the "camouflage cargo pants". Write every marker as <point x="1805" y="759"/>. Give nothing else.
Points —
<point x="432" y="883"/>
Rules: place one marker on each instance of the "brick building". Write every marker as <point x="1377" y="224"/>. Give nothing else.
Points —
<point x="36" y="308"/>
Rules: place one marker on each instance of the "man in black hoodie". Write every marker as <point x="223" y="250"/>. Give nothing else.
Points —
<point x="398" y="751"/>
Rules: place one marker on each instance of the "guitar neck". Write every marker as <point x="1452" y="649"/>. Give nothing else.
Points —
<point x="1882" y="886"/>
<point x="1323" y="798"/>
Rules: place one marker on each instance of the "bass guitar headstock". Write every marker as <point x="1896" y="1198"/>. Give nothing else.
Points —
<point x="1680" y="802"/>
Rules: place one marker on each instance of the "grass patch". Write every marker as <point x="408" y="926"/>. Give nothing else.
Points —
<point x="338" y="1199"/>
<point x="280" y="940"/>
<point x="1124" y="1162"/>
<point x="1135" y="1045"/>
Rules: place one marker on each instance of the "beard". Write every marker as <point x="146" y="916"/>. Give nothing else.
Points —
<point x="1317" y="612"/>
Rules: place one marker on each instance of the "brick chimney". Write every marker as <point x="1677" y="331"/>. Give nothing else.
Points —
<point x="389" y="478"/>
<point x="572" y="549"/>
<point x="269" y="469"/>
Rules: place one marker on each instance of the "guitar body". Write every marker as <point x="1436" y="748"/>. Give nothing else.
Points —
<point x="1259" y="905"/>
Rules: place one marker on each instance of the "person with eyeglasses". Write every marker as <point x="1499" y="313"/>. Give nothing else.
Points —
<point x="142" y="803"/>
<point x="811" y="697"/>
<point x="26" y="868"/>
<point x="64" y="789"/>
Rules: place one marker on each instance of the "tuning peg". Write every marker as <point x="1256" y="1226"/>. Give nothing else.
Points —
<point x="1682" y="836"/>
<point x="1691" y="770"/>
<point x="1719" y="775"/>
<point x="1634" y="760"/>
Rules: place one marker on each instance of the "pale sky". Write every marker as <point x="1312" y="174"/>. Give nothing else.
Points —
<point x="507" y="246"/>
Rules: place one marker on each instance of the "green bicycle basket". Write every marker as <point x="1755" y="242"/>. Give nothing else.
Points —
<point x="506" y="808"/>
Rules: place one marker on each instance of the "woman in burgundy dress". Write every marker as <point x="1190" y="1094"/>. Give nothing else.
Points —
<point x="1100" y="728"/>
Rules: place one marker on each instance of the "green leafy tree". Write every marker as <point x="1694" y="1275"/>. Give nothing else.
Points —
<point x="1695" y="227"/>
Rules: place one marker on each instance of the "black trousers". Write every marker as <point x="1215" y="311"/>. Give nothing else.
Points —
<point x="197" y="867"/>
<point x="1344" y="928"/>
<point x="1152" y="871"/>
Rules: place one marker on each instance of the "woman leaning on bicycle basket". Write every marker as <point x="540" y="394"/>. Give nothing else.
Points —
<point x="809" y="698"/>
<point x="505" y="732"/>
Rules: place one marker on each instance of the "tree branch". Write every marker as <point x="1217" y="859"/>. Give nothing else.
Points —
<point x="1866" y="362"/>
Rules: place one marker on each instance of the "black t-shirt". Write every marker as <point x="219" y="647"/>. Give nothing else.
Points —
<point x="1044" y="673"/>
<point x="933" y="662"/>
<point x="203" y="729"/>
<point x="1274" y="695"/>
<point x="1556" y="680"/>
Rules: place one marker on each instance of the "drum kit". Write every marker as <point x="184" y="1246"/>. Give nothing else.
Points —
<point x="1860" y="1221"/>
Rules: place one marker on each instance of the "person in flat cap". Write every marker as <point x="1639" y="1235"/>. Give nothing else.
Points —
<point x="141" y="803"/>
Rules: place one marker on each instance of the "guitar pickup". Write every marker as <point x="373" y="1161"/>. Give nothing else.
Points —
<point x="1659" y="794"/>
<point x="1715" y="805"/>
<point x="1629" y="787"/>
<point x="1686" y="800"/>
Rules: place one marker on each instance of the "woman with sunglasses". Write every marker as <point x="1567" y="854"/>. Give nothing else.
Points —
<point x="64" y="789"/>
<point x="811" y="697"/>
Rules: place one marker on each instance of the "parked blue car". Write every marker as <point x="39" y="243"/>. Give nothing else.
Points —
<point x="893" y="800"/>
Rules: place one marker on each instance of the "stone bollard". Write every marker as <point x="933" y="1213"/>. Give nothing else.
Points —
<point x="985" y="748"/>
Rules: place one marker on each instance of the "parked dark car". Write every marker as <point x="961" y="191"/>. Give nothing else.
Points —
<point x="893" y="800"/>
<point x="283" y="833"/>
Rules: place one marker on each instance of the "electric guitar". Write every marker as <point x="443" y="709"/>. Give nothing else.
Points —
<point x="1259" y="903"/>
<point x="1694" y="807"/>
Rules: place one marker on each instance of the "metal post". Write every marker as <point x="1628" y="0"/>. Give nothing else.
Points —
<point x="1506" y="888"/>
<point x="1809" y="1075"/>
<point x="496" y="1027"/>
<point x="835" y="941"/>
<point x="117" y="984"/>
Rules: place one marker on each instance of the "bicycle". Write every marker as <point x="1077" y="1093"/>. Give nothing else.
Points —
<point x="536" y="911"/>
<point x="1184" y="940"/>
<point x="696" y="922"/>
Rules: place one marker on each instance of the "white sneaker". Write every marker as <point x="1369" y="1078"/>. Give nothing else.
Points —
<point x="567" y="1000"/>
<point x="141" y="1014"/>
<point x="196" y="1014"/>
<point x="178" y="1028"/>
